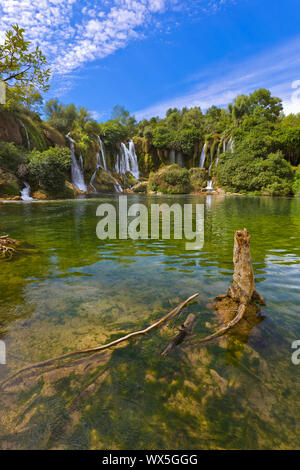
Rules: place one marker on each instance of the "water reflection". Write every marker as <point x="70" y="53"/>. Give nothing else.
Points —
<point x="80" y="291"/>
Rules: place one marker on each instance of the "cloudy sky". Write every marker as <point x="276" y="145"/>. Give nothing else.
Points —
<point x="149" y="55"/>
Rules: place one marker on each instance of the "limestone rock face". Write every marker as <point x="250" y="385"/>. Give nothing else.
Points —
<point x="10" y="129"/>
<point x="104" y="182"/>
<point x="54" y="136"/>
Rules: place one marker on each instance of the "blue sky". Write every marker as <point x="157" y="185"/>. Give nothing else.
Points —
<point x="149" y="55"/>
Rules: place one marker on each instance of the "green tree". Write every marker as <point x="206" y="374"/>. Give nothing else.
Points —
<point x="61" y="117"/>
<point x="49" y="169"/>
<point x="22" y="68"/>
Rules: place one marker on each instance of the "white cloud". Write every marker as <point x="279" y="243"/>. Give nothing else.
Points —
<point x="72" y="33"/>
<point x="277" y="69"/>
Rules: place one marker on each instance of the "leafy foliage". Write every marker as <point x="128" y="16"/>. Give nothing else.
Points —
<point x="244" y="172"/>
<point x="11" y="157"/>
<point x="170" y="180"/>
<point x="22" y="69"/>
<point x="50" y="168"/>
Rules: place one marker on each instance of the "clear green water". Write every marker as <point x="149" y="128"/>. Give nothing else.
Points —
<point x="240" y="392"/>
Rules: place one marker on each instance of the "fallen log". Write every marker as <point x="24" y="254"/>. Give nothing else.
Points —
<point x="184" y="331"/>
<point x="147" y="330"/>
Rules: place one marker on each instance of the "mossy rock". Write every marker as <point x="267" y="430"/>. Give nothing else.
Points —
<point x="53" y="136"/>
<point x="9" y="184"/>
<point x="128" y="180"/>
<point x="199" y="177"/>
<point x="141" y="187"/>
<point x="10" y="128"/>
<point x="171" y="180"/>
<point x="35" y="132"/>
<point x="104" y="182"/>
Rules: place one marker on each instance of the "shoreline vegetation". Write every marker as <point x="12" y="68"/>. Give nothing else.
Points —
<point x="256" y="156"/>
<point x="49" y="150"/>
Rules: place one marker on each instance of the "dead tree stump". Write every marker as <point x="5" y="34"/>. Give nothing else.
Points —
<point x="243" y="286"/>
<point x="242" y="291"/>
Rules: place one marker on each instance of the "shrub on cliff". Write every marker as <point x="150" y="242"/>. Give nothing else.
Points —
<point x="170" y="180"/>
<point x="245" y="172"/>
<point x="49" y="169"/>
<point x="199" y="177"/>
<point x="11" y="157"/>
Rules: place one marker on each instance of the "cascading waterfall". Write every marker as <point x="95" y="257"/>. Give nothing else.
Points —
<point x="211" y="162"/>
<point x="209" y="186"/>
<point x="104" y="165"/>
<point x="127" y="160"/>
<point x="179" y="159"/>
<point x="203" y="155"/>
<point x="218" y="154"/>
<point x="230" y="144"/>
<point x="99" y="164"/>
<point x="81" y="162"/>
<point x="224" y="146"/>
<point x="95" y="172"/>
<point x="172" y="156"/>
<point x="76" y="171"/>
<point x="25" y="193"/>
<point x="26" y="133"/>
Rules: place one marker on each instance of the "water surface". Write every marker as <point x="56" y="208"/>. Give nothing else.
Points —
<point x="78" y="291"/>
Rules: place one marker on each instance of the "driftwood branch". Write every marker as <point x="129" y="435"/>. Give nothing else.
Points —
<point x="147" y="330"/>
<point x="185" y="330"/>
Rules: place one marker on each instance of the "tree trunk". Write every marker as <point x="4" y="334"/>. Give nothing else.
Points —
<point x="243" y="287"/>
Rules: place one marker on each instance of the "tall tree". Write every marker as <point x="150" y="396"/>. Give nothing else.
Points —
<point x="22" y="68"/>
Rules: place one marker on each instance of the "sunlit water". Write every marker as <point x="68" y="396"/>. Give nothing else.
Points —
<point x="79" y="292"/>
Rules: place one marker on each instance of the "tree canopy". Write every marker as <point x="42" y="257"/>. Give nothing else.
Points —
<point x="22" y="67"/>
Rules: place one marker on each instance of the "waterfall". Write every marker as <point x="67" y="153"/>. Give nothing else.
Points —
<point x="127" y="160"/>
<point x="118" y="188"/>
<point x="224" y="145"/>
<point x="135" y="165"/>
<point x="99" y="164"/>
<point x="81" y="162"/>
<point x="202" y="158"/>
<point x="94" y="174"/>
<point x="209" y="186"/>
<point x="211" y="162"/>
<point x="26" y="133"/>
<point x="179" y="160"/>
<point x="76" y="171"/>
<point x="230" y="144"/>
<point x="25" y="193"/>
<point x="104" y="165"/>
<point x="218" y="154"/>
<point x="172" y="156"/>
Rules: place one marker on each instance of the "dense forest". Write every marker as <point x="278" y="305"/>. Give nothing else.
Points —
<point x="250" y="147"/>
